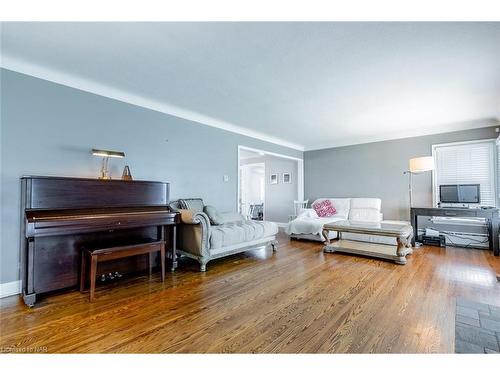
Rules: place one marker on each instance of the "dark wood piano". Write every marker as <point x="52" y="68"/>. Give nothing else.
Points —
<point x="61" y="215"/>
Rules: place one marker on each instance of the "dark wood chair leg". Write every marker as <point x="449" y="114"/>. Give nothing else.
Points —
<point x="93" y="276"/>
<point x="83" y="271"/>
<point x="162" y="257"/>
<point x="174" y="247"/>
<point x="150" y="260"/>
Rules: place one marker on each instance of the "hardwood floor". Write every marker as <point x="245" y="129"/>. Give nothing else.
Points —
<point x="298" y="300"/>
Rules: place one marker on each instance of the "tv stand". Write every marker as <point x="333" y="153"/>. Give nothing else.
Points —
<point x="490" y="214"/>
<point x="456" y="205"/>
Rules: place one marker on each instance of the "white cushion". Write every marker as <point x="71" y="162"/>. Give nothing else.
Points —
<point x="365" y="214"/>
<point x="373" y="203"/>
<point x="241" y="231"/>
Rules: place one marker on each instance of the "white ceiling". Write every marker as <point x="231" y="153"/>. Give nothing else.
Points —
<point x="304" y="85"/>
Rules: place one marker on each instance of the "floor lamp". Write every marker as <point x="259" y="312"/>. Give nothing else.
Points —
<point x="418" y="165"/>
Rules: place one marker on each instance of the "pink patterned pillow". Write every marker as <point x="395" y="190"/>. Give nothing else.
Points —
<point x="324" y="208"/>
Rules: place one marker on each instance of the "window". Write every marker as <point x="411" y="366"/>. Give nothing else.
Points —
<point x="466" y="163"/>
<point x="498" y="168"/>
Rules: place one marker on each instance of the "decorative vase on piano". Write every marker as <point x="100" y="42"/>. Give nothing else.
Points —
<point x="126" y="175"/>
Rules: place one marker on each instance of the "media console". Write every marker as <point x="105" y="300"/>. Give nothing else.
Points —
<point x="490" y="214"/>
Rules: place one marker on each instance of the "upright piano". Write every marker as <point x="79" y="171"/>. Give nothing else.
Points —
<point x="60" y="215"/>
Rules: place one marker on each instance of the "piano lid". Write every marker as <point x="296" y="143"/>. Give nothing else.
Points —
<point x="43" y="192"/>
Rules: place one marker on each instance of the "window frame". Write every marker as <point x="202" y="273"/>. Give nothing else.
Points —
<point x="494" y="166"/>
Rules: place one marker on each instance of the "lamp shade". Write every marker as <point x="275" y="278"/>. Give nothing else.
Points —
<point x="108" y="153"/>
<point x="421" y="164"/>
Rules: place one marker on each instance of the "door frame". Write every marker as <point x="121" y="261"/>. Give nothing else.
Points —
<point x="239" y="185"/>
<point x="300" y="171"/>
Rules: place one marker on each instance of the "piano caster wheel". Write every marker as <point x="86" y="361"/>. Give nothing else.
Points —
<point x="29" y="300"/>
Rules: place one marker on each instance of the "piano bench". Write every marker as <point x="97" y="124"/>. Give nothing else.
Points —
<point x="118" y="252"/>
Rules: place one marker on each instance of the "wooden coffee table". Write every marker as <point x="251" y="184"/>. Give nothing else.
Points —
<point x="401" y="231"/>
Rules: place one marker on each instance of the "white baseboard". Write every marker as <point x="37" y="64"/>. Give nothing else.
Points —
<point x="10" y="289"/>
<point x="281" y="225"/>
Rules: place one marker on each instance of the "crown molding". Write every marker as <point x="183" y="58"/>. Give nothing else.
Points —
<point x="83" y="84"/>
<point x="411" y="133"/>
<point x="73" y="81"/>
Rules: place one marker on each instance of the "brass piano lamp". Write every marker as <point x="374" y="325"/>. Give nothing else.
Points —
<point x="106" y="154"/>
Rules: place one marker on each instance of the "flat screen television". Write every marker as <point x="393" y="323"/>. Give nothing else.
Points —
<point x="466" y="193"/>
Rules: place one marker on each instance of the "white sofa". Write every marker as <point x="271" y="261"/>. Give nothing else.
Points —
<point x="309" y="226"/>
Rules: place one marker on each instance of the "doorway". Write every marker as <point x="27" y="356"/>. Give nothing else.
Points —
<point x="268" y="184"/>
<point x="252" y="190"/>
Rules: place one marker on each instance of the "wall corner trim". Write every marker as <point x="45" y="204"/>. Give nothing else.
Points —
<point x="93" y="87"/>
<point x="10" y="289"/>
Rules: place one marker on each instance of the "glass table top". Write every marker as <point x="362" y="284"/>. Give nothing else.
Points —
<point x="378" y="227"/>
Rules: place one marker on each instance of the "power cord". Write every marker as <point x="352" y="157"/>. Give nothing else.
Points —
<point x="472" y="240"/>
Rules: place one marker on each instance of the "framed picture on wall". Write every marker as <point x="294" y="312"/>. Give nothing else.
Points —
<point x="287" y="178"/>
<point x="274" y="179"/>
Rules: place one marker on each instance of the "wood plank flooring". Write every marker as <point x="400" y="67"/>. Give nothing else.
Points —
<point x="298" y="300"/>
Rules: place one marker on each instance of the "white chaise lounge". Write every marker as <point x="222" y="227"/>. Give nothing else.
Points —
<point x="309" y="226"/>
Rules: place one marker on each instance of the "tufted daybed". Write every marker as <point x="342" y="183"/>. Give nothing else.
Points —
<point x="205" y="238"/>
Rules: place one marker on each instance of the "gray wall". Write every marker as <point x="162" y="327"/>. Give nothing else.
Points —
<point x="49" y="129"/>
<point x="278" y="197"/>
<point x="376" y="170"/>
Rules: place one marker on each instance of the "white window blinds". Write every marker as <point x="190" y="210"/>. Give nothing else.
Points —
<point x="498" y="168"/>
<point x="467" y="163"/>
